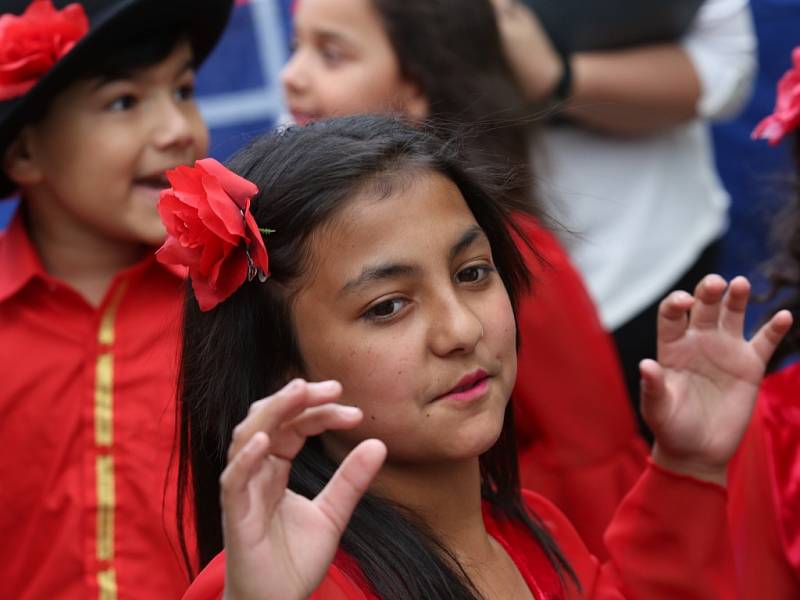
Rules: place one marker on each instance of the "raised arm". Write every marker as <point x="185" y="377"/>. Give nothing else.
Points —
<point x="670" y="536"/>
<point x="699" y="397"/>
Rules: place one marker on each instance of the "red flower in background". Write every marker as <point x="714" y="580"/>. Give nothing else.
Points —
<point x="786" y="116"/>
<point x="210" y="230"/>
<point x="31" y="43"/>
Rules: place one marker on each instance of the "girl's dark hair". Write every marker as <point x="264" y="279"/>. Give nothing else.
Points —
<point x="452" y="49"/>
<point x="245" y="348"/>
<point x="784" y="268"/>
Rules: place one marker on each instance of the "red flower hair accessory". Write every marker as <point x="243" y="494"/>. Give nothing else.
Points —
<point x="786" y="115"/>
<point x="210" y="230"/>
<point x="31" y="43"/>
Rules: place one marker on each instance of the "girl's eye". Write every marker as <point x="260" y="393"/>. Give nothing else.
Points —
<point x="123" y="102"/>
<point x="385" y="310"/>
<point x="331" y="56"/>
<point x="474" y="274"/>
<point x="185" y="92"/>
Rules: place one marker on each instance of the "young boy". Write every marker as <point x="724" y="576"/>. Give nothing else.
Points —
<point x="95" y="104"/>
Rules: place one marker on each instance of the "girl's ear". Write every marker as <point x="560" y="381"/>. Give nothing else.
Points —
<point x="415" y="102"/>
<point x="19" y="163"/>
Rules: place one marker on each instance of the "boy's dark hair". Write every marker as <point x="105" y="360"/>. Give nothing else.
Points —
<point x="784" y="269"/>
<point x="245" y="348"/>
<point x="452" y="49"/>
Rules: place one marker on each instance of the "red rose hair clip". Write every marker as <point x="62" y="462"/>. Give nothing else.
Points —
<point x="31" y="43"/>
<point x="210" y="230"/>
<point x="786" y="116"/>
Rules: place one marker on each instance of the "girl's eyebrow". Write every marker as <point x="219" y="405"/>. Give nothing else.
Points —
<point x="377" y="273"/>
<point x="329" y="36"/>
<point x="391" y="270"/>
<point x="469" y="237"/>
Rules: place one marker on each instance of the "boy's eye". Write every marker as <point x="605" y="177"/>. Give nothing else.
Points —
<point x="385" y="310"/>
<point x="124" y="102"/>
<point x="474" y="274"/>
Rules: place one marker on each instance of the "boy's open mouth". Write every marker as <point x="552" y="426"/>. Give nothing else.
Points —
<point x="158" y="182"/>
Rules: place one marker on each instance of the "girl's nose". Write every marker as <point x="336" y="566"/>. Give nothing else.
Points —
<point x="293" y="76"/>
<point x="455" y="328"/>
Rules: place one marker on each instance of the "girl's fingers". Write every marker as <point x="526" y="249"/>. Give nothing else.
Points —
<point x="770" y="334"/>
<point x="708" y="301"/>
<point x="734" y="305"/>
<point x="314" y="421"/>
<point x="289" y="438"/>
<point x="672" y="316"/>
<point x="338" y="499"/>
<point x="282" y="406"/>
<point x="234" y="480"/>
<point x="655" y="408"/>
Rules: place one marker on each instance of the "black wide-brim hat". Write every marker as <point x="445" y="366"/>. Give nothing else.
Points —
<point x="110" y="22"/>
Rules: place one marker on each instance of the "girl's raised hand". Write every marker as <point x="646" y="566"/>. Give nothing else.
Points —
<point x="279" y="544"/>
<point x="699" y="396"/>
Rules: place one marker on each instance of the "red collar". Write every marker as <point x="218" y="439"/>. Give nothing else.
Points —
<point x="19" y="261"/>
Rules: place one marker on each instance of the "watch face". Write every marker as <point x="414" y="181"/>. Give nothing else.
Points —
<point x="576" y="25"/>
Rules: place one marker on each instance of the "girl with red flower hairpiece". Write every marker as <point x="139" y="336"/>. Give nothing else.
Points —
<point x="96" y="103"/>
<point x="347" y="425"/>
<point x="765" y="474"/>
<point x="356" y="56"/>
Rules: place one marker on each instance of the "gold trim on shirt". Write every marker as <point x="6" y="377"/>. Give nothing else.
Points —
<point x="104" y="438"/>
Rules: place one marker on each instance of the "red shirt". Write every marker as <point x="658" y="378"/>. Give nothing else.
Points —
<point x="575" y="426"/>
<point x="87" y="424"/>
<point x="668" y="540"/>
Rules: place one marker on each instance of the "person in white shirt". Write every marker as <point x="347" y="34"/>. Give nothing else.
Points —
<point x="628" y="168"/>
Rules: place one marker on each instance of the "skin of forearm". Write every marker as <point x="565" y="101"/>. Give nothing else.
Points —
<point x="633" y="92"/>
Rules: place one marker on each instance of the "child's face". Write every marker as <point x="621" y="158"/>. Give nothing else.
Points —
<point x="403" y="306"/>
<point x="344" y="64"/>
<point x="96" y="161"/>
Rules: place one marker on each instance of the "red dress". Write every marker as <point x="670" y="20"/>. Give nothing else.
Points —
<point x="575" y="427"/>
<point x="765" y="493"/>
<point x="668" y="540"/>
<point x="87" y="426"/>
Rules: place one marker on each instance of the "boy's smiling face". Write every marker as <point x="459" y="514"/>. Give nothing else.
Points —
<point x="94" y="165"/>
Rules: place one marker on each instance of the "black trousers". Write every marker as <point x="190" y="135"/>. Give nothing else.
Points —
<point x="636" y="339"/>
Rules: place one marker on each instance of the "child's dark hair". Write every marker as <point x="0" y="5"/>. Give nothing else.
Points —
<point x="452" y="49"/>
<point x="245" y="348"/>
<point x="784" y="268"/>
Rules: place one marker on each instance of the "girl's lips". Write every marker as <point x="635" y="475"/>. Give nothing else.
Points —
<point x="470" y="387"/>
<point x="302" y="118"/>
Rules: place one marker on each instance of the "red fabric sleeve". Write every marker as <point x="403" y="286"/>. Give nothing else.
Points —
<point x="575" y="426"/>
<point x="764" y="489"/>
<point x="668" y="540"/>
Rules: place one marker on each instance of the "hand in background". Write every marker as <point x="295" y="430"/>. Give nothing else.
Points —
<point x="699" y="396"/>
<point x="279" y="544"/>
<point x="532" y="57"/>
